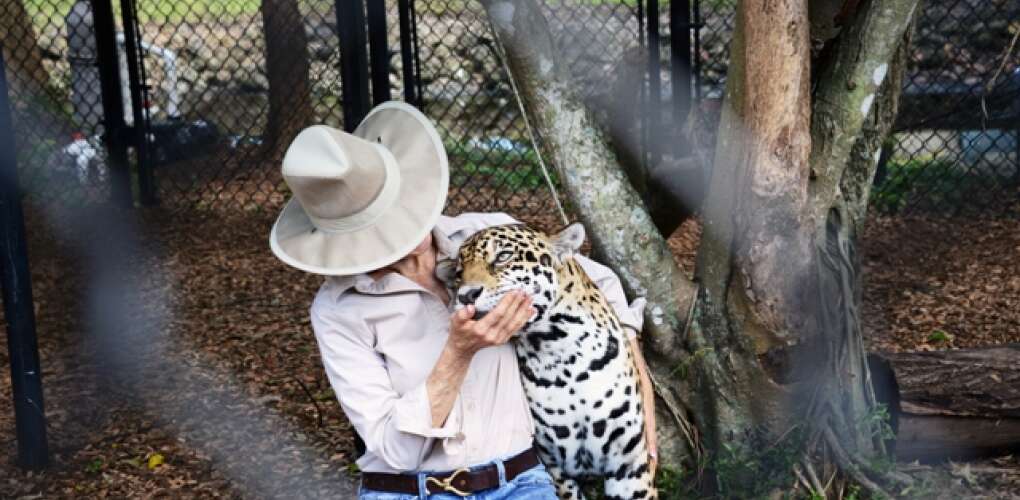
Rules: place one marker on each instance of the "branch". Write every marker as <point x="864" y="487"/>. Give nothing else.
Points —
<point x="859" y="174"/>
<point x="846" y="91"/>
<point x="621" y="231"/>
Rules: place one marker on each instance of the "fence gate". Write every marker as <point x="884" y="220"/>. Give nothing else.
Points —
<point x="634" y="63"/>
<point x="191" y="104"/>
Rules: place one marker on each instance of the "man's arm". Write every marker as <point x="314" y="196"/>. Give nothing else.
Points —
<point x="647" y="400"/>
<point x="466" y="338"/>
<point x="400" y="427"/>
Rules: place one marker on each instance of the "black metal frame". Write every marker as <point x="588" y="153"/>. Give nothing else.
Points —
<point x="379" y="53"/>
<point x="26" y="374"/>
<point x="409" y="52"/>
<point x="138" y="83"/>
<point x="684" y="24"/>
<point x="353" y="61"/>
<point x="115" y="130"/>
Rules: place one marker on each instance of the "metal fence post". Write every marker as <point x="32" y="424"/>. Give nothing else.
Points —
<point x="350" y="23"/>
<point x="26" y="376"/>
<point x="146" y="187"/>
<point x="113" y="104"/>
<point x="405" y="9"/>
<point x="680" y="55"/>
<point x="652" y="130"/>
<point x="379" y="51"/>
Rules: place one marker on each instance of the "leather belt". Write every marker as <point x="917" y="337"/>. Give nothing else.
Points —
<point x="462" y="482"/>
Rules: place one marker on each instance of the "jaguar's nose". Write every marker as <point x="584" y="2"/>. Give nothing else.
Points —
<point x="468" y="296"/>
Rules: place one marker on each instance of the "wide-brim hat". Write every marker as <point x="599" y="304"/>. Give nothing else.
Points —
<point x="364" y="200"/>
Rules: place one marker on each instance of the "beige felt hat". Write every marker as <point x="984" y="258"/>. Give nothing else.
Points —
<point x="362" y="200"/>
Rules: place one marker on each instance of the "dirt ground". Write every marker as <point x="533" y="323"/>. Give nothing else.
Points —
<point x="190" y="371"/>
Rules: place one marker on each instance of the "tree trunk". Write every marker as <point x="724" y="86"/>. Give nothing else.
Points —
<point x="951" y="404"/>
<point x="21" y="48"/>
<point x="37" y="103"/>
<point x="621" y="232"/>
<point x="290" y="103"/>
<point x="768" y="360"/>
<point x="673" y="189"/>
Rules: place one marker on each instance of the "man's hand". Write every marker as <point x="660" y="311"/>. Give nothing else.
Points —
<point x="467" y="336"/>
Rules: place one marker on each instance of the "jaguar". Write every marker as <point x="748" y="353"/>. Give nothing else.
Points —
<point x="579" y="377"/>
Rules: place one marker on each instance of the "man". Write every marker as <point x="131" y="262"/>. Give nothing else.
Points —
<point x="436" y="396"/>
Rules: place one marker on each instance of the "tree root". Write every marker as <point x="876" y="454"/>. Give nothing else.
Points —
<point x="809" y="469"/>
<point x="848" y="465"/>
<point x="690" y="432"/>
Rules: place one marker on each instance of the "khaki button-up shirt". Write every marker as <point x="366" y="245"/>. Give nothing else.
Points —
<point x="380" y="339"/>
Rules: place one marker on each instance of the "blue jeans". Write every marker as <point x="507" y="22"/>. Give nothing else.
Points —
<point x="532" y="484"/>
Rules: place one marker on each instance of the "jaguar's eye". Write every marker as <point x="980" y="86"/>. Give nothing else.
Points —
<point x="503" y="257"/>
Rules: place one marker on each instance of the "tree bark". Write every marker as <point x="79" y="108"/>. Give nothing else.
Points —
<point x="673" y="189"/>
<point x="21" y="48"/>
<point x="755" y="254"/>
<point x="621" y="232"/>
<point x="772" y="355"/>
<point x="855" y="103"/>
<point x="290" y="103"/>
<point x="951" y="404"/>
<point x="36" y="101"/>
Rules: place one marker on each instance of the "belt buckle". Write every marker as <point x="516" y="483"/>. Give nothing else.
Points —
<point x="447" y="484"/>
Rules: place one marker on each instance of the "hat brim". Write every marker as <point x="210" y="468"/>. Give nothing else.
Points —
<point x="424" y="179"/>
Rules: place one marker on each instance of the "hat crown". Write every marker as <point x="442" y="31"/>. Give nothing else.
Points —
<point x="334" y="174"/>
<point x="361" y="200"/>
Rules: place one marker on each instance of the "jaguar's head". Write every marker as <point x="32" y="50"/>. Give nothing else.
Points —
<point x="500" y="259"/>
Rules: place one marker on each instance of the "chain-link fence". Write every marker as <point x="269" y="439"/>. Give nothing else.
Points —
<point x="228" y="83"/>
<point x="218" y="108"/>
<point x="468" y="93"/>
<point x="956" y="143"/>
<point x="56" y="126"/>
<point x="956" y="146"/>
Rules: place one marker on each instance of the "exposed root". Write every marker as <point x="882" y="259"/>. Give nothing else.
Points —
<point x="690" y="432"/>
<point x="803" y="481"/>
<point x="812" y="476"/>
<point x="847" y="465"/>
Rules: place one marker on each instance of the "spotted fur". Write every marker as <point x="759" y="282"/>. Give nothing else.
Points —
<point x="578" y="373"/>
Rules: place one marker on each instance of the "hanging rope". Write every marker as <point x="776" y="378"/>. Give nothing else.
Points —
<point x="527" y="125"/>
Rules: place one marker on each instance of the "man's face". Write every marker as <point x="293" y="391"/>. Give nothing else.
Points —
<point x="422" y="247"/>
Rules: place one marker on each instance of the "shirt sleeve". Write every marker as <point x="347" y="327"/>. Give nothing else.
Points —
<point x="395" y="427"/>
<point x="631" y="315"/>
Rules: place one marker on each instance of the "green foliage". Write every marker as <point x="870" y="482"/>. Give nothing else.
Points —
<point x="513" y="169"/>
<point x="353" y="470"/>
<point x="682" y="369"/>
<point x="939" y="336"/>
<point x="877" y="423"/>
<point x="908" y="177"/>
<point x="754" y="467"/>
<point x="44" y="12"/>
<point x="94" y="466"/>
<point x="932" y="181"/>
<point x="675" y="484"/>
<point x="853" y="492"/>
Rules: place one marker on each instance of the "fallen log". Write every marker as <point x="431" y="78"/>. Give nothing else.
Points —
<point x="951" y="404"/>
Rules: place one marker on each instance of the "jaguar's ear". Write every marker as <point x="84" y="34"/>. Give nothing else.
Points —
<point x="446" y="271"/>
<point x="568" y="241"/>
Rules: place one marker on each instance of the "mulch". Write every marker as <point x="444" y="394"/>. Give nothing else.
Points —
<point x="941" y="283"/>
<point x="181" y="364"/>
